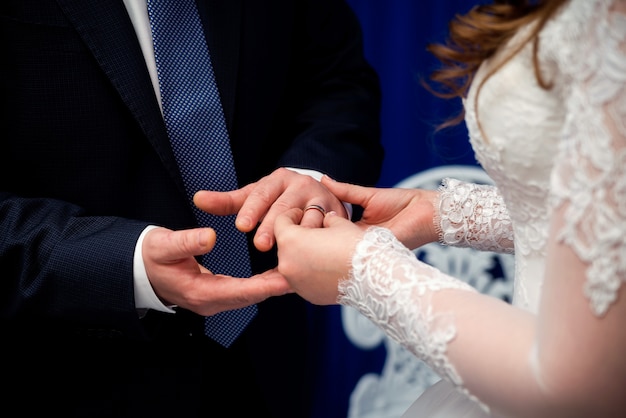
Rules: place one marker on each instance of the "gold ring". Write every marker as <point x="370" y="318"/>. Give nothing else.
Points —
<point x="316" y="207"/>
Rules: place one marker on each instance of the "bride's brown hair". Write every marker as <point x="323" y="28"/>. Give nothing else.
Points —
<point x="477" y="35"/>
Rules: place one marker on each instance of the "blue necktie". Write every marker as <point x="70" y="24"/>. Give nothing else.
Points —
<point x="195" y="123"/>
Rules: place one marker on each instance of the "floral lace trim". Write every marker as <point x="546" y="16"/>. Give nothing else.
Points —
<point x="474" y="216"/>
<point x="590" y="177"/>
<point x="393" y="289"/>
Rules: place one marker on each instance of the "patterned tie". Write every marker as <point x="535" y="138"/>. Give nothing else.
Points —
<point x="195" y="123"/>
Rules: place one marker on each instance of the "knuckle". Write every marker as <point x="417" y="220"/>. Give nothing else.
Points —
<point x="185" y="241"/>
<point x="262" y="194"/>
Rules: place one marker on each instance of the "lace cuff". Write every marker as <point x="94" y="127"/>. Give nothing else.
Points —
<point x="395" y="290"/>
<point x="473" y="215"/>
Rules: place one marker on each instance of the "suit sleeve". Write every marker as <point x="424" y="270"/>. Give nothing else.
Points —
<point x="306" y="97"/>
<point x="52" y="257"/>
<point x="338" y="110"/>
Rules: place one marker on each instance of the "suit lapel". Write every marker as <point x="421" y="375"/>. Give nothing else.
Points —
<point x="108" y="32"/>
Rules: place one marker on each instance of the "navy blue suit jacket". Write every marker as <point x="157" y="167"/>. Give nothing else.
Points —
<point x="85" y="166"/>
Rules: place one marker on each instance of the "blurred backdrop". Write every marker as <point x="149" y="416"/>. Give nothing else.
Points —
<point x="361" y="373"/>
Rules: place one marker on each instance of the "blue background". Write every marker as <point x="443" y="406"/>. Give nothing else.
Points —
<point x="396" y="33"/>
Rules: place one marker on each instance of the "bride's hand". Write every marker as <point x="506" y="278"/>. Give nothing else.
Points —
<point x="408" y="213"/>
<point x="314" y="260"/>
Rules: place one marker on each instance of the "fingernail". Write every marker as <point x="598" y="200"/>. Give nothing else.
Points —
<point x="203" y="237"/>
<point x="331" y="213"/>
<point x="265" y="239"/>
<point x="243" y="222"/>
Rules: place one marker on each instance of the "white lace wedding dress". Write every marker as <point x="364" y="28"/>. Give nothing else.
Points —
<point x="558" y="160"/>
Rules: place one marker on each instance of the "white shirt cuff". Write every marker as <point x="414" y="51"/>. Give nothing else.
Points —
<point x="318" y="176"/>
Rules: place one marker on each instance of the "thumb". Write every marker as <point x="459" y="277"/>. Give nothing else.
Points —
<point x="195" y="241"/>
<point x="165" y="245"/>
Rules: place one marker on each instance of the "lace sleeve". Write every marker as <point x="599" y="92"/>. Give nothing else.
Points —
<point x="589" y="181"/>
<point x="473" y="215"/>
<point x="567" y="359"/>
<point x="393" y="289"/>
